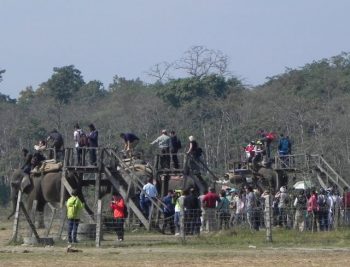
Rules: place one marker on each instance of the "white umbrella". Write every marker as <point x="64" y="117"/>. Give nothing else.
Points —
<point x="301" y="185"/>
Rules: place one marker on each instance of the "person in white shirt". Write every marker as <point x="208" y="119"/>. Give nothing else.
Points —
<point x="76" y="136"/>
<point x="149" y="191"/>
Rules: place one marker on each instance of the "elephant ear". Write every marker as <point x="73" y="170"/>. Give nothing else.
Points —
<point x="26" y="184"/>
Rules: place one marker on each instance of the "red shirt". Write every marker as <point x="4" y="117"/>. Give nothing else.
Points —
<point x="209" y="200"/>
<point x="118" y="208"/>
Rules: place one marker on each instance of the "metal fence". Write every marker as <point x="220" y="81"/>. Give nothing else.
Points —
<point x="180" y="226"/>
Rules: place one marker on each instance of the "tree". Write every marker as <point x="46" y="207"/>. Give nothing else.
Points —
<point x="91" y="91"/>
<point x="161" y="71"/>
<point x="64" y="83"/>
<point x="180" y="91"/>
<point x="122" y="84"/>
<point x="199" y="61"/>
<point x="26" y="96"/>
<point x="7" y="99"/>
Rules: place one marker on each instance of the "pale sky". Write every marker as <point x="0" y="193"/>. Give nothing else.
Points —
<point x="103" y="38"/>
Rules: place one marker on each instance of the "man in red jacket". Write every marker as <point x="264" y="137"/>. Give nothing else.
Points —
<point x="118" y="207"/>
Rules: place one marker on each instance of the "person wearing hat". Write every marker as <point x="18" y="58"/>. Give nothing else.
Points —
<point x="283" y="197"/>
<point x="163" y="142"/>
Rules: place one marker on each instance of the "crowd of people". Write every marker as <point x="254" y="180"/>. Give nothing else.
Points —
<point x="259" y="151"/>
<point x="303" y="210"/>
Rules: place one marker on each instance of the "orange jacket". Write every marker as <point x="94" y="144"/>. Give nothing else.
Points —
<point x="118" y="208"/>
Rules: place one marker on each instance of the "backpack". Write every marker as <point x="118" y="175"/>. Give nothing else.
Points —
<point x="83" y="140"/>
<point x="322" y="202"/>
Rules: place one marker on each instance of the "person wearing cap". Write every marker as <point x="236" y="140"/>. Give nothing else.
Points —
<point x="283" y="197"/>
<point x="163" y="142"/>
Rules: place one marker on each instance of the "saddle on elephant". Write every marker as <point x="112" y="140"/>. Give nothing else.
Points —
<point x="47" y="166"/>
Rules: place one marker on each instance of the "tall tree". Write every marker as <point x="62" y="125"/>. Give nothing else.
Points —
<point x="64" y="83"/>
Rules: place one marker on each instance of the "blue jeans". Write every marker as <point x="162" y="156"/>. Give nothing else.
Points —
<point x="177" y="216"/>
<point x="72" y="230"/>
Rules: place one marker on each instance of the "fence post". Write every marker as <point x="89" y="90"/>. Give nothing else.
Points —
<point x="99" y="223"/>
<point x="268" y="217"/>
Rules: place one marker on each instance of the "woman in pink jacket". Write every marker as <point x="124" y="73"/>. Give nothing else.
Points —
<point x="312" y="211"/>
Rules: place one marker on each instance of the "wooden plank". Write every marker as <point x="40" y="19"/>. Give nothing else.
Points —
<point x="129" y="201"/>
<point x="17" y="216"/>
<point x="63" y="221"/>
<point x="99" y="223"/>
<point x="29" y="221"/>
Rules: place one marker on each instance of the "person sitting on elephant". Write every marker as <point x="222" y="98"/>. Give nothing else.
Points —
<point x="57" y="143"/>
<point x="74" y="207"/>
<point x="27" y="161"/>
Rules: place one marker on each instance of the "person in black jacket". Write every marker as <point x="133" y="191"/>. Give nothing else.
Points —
<point x="56" y="142"/>
<point x="93" y="143"/>
<point x="175" y="145"/>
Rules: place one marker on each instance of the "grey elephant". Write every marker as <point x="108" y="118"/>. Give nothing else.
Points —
<point x="44" y="189"/>
<point x="263" y="178"/>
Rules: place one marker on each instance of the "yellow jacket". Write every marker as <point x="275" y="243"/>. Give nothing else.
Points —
<point x="74" y="206"/>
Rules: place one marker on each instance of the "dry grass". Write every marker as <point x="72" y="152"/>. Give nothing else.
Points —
<point x="222" y="249"/>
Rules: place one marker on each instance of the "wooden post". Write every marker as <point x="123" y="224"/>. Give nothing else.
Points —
<point x="99" y="223"/>
<point x="63" y="221"/>
<point x="29" y="221"/>
<point x="16" y="221"/>
<point x="64" y="173"/>
<point x="268" y="202"/>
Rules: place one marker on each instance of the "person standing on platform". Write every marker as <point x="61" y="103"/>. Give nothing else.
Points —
<point x="93" y="143"/>
<point x="163" y="142"/>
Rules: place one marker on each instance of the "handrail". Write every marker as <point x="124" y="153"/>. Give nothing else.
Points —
<point x="133" y="176"/>
<point x="327" y="169"/>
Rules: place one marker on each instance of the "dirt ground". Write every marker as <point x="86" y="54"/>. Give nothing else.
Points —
<point x="160" y="255"/>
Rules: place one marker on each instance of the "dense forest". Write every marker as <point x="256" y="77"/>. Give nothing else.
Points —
<point x="195" y="95"/>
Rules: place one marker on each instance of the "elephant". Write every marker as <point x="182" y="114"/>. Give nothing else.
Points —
<point x="263" y="178"/>
<point x="44" y="189"/>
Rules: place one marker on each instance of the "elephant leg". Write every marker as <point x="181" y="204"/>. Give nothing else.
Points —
<point x="40" y="214"/>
